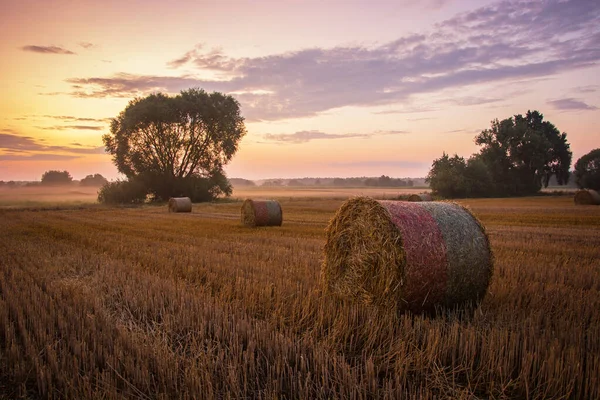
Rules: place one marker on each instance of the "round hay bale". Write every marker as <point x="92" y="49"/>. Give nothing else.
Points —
<point x="420" y="197"/>
<point x="412" y="256"/>
<point x="180" y="204"/>
<point x="587" y="197"/>
<point x="261" y="213"/>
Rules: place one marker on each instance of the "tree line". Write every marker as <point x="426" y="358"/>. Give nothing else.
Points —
<point x="169" y="146"/>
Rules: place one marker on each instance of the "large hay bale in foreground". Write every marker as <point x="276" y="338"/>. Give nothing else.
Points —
<point x="420" y="197"/>
<point x="587" y="197"/>
<point x="413" y="256"/>
<point x="180" y="204"/>
<point x="261" y="213"/>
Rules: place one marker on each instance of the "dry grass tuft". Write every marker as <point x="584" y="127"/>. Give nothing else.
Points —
<point x="261" y="213"/>
<point x="411" y="256"/>
<point x="586" y="197"/>
<point x="180" y="204"/>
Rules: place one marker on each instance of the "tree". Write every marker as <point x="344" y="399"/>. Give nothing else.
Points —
<point x="522" y="153"/>
<point x="447" y="176"/>
<point x="122" y="192"/>
<point x="587" y="170"/>
<point x="94" y="180"/>
<point x="168" y="142"/>
<point x="56" y="178"/>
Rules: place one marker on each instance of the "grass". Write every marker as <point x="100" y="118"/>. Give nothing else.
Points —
<point x="138" y="303"/>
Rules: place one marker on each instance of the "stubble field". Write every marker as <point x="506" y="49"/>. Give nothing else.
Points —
<point x="138" y="303"/>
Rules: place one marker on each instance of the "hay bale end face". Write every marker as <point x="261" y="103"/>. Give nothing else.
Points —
<point x="411" y="256"/>
<point x="587" y="197"/>
<point x="420" y="197"/>
<point x="180" y="204"/>
<point x="261" y="213"/>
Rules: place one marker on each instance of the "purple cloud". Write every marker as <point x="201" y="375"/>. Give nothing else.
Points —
<point x="75" y="127"/>
<point x="86" y="45"/>
<point x="570" y="104"/>
<point x="307" y="136"/>
<point x="46" y="49"/>
<point x="27" y="147"/>
<point x="501" y="43"/>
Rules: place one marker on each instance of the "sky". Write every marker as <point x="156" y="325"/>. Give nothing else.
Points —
<point x="327" y="88"/>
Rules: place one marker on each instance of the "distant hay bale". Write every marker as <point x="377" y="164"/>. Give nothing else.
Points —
<point x="587" y="197"/>
<point x="413" y="256"/>
<point x="261" y="213"/>
<point x="180" y="204"/>
<point x="420" y="197"/>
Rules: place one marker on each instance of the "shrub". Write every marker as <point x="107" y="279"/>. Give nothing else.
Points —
<point x="122" y="192"/>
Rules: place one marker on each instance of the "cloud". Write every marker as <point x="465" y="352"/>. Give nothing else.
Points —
<point x="76" y="127"/>
<point x="307" y="136"/>
<point x="570" y="104"/>
<point x="64" y="118"/>
<point x="464" y="130"/>
<point x="587" y="89"/>
<point x="408" y="110"/>
<point x="437" y="4"/>
<point x="501" y="43"/>
<point x="128" y="85"/>
<point x="87" y="45"/>
<point x="178" y="62"/>
<point x="473" y="100"/>
<point x="382" y="163"/>
<point x="70" y="118"/>
<point x="36" y="157"/>
<point x="46" y="49"/>
<point x="420" y="119"/>
<point x="27" y="147"/>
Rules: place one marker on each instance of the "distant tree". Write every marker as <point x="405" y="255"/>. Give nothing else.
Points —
<point x="587" y="170"/>
<point x="523" y="152"/>
<point x="56" y="178"/>
<point x="295" y="182"/>
<point x="171" y="143"/>
<point x="241" y="182"/>
<point x="94" y="180"/>
<point x="273" y="182"/>
<point x="447" y="176"/>
<point x="385" y="180"/>
<point x="453" y="177"/>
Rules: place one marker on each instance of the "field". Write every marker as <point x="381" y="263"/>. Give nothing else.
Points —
<point x="137" y="303"/>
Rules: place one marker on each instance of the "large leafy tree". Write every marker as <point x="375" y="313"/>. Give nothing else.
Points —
<point x="174" y="143"/>
<point x="523" y="152"/>
<point x="587" y="170"/>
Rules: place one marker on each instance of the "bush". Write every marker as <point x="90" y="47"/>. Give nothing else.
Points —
<point x="93" y="180"/>
<point x="453" y="177"/>
<point x="587" y="170"/>
<point x="56" y="178"/>
<point x="201" y="189"/>
<point x="122" y="192"/>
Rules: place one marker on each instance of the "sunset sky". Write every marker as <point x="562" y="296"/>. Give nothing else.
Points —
<point x="328" y="88"/>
